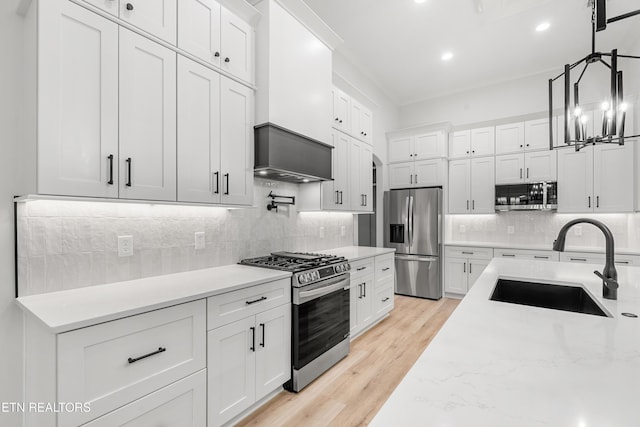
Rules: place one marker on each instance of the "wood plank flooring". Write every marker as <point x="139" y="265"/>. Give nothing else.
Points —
<point x="352" y="392"/>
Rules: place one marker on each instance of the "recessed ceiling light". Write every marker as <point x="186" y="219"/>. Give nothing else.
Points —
<point x="543" y="26"/>
<point x="419" y="1"/>
<point x="447" y="56"/>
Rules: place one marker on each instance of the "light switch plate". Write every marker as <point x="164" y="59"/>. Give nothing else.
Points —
<point x="321" y="232"/>
<point x="577" y="230"/>
<point x="199" y="240"/>
<point x="511" y="229"/>
<point x="125" y="245"/>
<point x="462" y="228"/>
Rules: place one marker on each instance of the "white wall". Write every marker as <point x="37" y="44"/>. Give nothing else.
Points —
<point x="386" y="113"/>
<point x="10" y="316"/>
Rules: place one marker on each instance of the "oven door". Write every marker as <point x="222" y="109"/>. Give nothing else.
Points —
<point x="320" y="318"/>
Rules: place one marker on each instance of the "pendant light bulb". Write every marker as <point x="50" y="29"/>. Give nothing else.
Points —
<point x="577" y="112"/>
<point x="604" y="106"/>
<point x="623" y="107"/>
<point x="584" y="119"/>
<point x="609" y="114"/>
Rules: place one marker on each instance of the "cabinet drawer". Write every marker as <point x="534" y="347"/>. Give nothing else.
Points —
<point x="226" y="308"/>
<point x="114" y="363"/>
<point x="183" y="403"/>
<point x="468" y="252"/>
<point x="384" y="267"/>
<point x="362" y="267"/>
<point x="526" y="254"/>
<point x="582" y="257"/>
<point x="384" y="298"/>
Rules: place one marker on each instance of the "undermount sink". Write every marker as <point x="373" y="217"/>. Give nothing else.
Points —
<point x="545" y="295"/>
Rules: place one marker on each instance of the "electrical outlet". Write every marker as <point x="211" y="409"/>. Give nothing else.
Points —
<point x="462" y="228"/>
<point x="511" y="229"/>
<point x="321" y="232"/>
<point x="199" y="240"/>
<point x="577" y="230"/>
<point x="125" y="245"/>
<point x="343" y="231"/>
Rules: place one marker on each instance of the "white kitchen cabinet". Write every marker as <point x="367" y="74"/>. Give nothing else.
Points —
<point x="341" y="172"/>
<point x="365" y="302"/>
<point x="596" y="179"/>
<point x="459" y="186"/>
<point x="463" y="266"/>
<point x="366" y="121"/>
<point x="77" y="102"/>
<point x="526" y="254"/>
<point x="422" y="173"/>
<point x="147" y="119"/>
<point x="401" y="149"/>
<point x="483" y="141"/>
<point x="623" y="260"/>
<point x="536" y="134"/>
<point x="237" y="46"/>
<point x="236" y="143"/>
<point x="384" y="276"/>
<point x="460" y="144"/>
<point x="357" y="183"/>
<point x="362" y="295"/>
<point x="199" y="29"/>
<point x="157" y="17"/>
<point x="510" y="138"/>
<point x="428" y="145"/>
<point x="482" y="185"/>
<point x="361" y="122"/>
<point x="198" y="133"/>
<point x="247" y="359"/>
<point x="530" y="167"/>
<point x="341" y="110"/>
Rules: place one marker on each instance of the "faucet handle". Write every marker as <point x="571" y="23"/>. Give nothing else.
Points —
<point x="610" y="283"/>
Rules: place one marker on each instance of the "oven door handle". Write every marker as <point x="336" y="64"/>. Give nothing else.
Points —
<point x="315" y="293"/>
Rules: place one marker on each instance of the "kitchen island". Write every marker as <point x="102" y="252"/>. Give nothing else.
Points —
<point x="501" y="364"/>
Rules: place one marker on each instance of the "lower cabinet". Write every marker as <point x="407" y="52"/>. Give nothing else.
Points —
<point x="463" y="266"/>
<point x="362" y="297"/>
<point x="599" y="258"/>
<point x="534" y="255"/>
<point x="246" y="360"/>
<point x="181" y="404"/>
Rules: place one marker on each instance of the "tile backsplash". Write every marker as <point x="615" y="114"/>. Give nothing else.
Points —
<point x="541" y="228"/>
<point x="69" y="244"/>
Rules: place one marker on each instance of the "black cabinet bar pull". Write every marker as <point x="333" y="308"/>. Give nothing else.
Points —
<point x="364" y="290"/>
<point x="153" y="353"/>
<point x="366" y="199"/>
<point x="128" y="184"/>
<point x="467" y="253"/>
<point x="386" y="299"/>
<point x="255" y="300"/>
<point x="578" y="259"/>
<point x="226" y="175"/>
<point x="589" y="201"/>
<point x="386" y="268"/>
<point x="540" y="257"/>
<point x="473" y="205"/>
<point x="110" y="157"/>
<point x="262" y="326"/>
<point x="340" y="197"/>
<point x="622" y="262"/>
<point x="217" y="174"/>
<point x="360" y="268"/>
<point x="337" y="197"/>
<point x="360" y="291"/>
<point x="467" y="205"/>
<point x="253" y="339"/>
<point x="470" y="268"/>
<point x="464" y="267"/>
<point x="527" y="172"/>
<point x="511" y="255"/>
<point x="597" y="201"/>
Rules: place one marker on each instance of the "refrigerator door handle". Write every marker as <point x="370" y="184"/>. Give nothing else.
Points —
<point x="411" y="220"/>
<point x="406" y="209"/>
<point x="416" y="258"/>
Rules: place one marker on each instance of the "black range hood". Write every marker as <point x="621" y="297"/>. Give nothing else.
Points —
<point x="283" y="155"/>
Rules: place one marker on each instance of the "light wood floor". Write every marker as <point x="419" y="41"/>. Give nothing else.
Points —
<point x="353" y="391"/>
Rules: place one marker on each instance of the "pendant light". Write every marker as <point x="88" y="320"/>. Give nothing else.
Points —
<point x="612" y="129"/>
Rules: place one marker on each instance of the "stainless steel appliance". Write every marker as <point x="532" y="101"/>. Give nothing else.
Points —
<point x="413" y="226"/>
<point x="320" y="317"/>
<point x="538" y="196"/>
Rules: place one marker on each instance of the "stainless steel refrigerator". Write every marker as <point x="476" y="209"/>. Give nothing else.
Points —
<point x="413" y="226"/>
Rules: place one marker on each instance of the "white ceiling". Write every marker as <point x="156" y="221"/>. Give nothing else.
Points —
<point x="398" y="43"/>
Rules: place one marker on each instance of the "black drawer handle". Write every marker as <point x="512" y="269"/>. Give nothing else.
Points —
<point x="386" y="299"/>
<point x="153" y="353"/>
<point x="128" y="161"/>
<point x="226" y="192"/>
<point x="386" y="268"/>
<point x="110" y="158"/>
<point x="622" y="262"/>
<point x="540" y="257"/>
<point x="262" y="326"/>
<point x="253" y="339"/>
<point x="578" y="259"/>
<point x="255" y="300"/>
<point x="217" y="174"/>
<point x="361" y="268"/>
<point x="467" y="253"/>
<point x="509" y="255"/>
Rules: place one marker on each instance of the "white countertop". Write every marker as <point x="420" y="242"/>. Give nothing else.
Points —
<point x="354" y="253"/>
<point x="76" y="308"/>
<point x="500" y="364"/>
<point x="546" y="247"/>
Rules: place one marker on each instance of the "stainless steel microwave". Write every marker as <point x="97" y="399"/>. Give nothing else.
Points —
<point x="538" y="196"/>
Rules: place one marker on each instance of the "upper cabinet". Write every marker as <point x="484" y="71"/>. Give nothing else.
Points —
<point x="531" y="167"/>
<point x="157" y="17"/>
<point x="351" y="117"/>
<point x="472" y="186"/>
<point x="472" y="143"/>
<point x="421" y="146"/>
<point x="532" y="135"/>
<point x="510" y="138"/>
<point x="236" y="44"/>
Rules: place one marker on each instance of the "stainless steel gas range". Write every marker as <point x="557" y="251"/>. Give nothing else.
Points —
<point x="320" y="317"/>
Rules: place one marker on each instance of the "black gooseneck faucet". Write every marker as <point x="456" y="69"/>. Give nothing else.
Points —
<point x="609" y="275"/>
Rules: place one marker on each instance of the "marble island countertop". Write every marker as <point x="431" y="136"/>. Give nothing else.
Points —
<point x="500" y="364"/>
<point x="541" y="247"/>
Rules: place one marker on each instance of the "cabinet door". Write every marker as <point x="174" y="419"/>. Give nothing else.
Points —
<point x="476" y="267"/>
<point x="273" y="349"/>
<point x="330" y="198"/>
<point x="365" y="302"/>
<point x="401" y="149"/>
<point x="460" y="145"/>
<point x="341" y="110"/>
<point x="429" y="173"/>
<point x="455" y="275"/>
<point x="109" y="6"/>
<point x="613" y="178"/>
<point x="198" y="133"/>
<point x="366" y="121"/>
<point x="341" y="172"/>
<point x="366" y="177"/>
<point x="157" y="17"/>
<point x="236" y="143"/>
<point x="401" y="175"/>
<point x="355" y="174"/>
<point x="536" y="134"/>
<point x="147" y="119"/>
<point x="483" y="141"/>
<point x="540" y="166"/>
<point x="510" y="138"/>
<point x="459" y="191"/>
<point x="429" y="146"/>
<point x="575" y="180"/>
<point x="199" y="29"/>
<point x="355" y="293"/>
<point x="237" y="44"/>
<point x="77" y="102"/>
<point x="356" y="120"/>
<point x="510" y="169"/>
<point x="231" y="369"/>
<point x="483" y="185"/>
